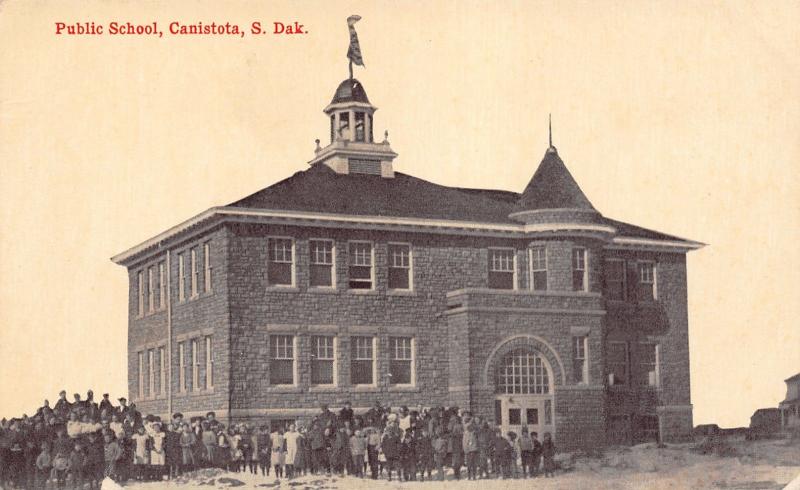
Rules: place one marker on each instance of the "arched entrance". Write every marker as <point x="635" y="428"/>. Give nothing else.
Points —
<point x="524" y="391"/>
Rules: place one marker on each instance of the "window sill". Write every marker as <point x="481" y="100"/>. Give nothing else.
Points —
<point x="362" y="291"/>
<point x="322" y="290"/>
<point x="365" y="388"/>
<point x="404" y="388"/>
<point x="401" y="292"/>
<point x="209" y="391"/>
<point x="282" y="289"/>
<point x="283" y="389"/>
<point x="324" y="389"/>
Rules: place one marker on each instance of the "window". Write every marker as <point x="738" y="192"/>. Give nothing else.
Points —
<point x="195" y="366"/>
<point x="647" y="372"/>
<point x="280" y="269"/>
<point x="360" y="265"/>
<point x="580" y="364"/>
<point x="207" y="267"/>
<point x="615" y="279"/>
<point x="362" y="360"/>
<point x="399" y="266"/>
<point x="523" y="372"/>
<point x="647" y="281"/>
<point x="151" y="372"/>
<point x="539" y="269"/>
<point x="401" y="360"/>
<point x="140" y="282"/>
<point x="151" y="290"/>
<point x="323" y="360"/>
<point x="162" y="286"/>
<point x="333" y="127"/>
<point x="532" y="416"/>
<point x="141" y="374"/>
<point x="360" y="135"/>
<point x="514" y="416"/>
<point x="193" y="277"/>
<point x="182" y="367"/>
<point x="281" y="363"/>
<point x="579" y="277"/>
<point x="344" y="125"/>
<point x="162" y="370"/>
<point x="209" y="364"/>
<point x="321" y="272"/>
<point x="501" y="268"/>
<point x="371" y="139"/>
<point x="181" y="278"/>
<point x="548" y="412"/>
<point x="617" y="363"/>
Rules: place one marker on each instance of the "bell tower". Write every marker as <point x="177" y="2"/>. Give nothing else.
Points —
<point x="352" y="148"/>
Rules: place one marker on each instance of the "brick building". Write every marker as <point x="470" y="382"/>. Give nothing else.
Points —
<point x="351" y="281"/>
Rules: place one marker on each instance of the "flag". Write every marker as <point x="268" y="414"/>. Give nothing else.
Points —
<point x="354" y="52"/>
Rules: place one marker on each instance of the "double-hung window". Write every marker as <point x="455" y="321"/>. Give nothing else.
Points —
<point x="181" y="277"/>
<point x="195" y="366"/>
<point x="401" y="360"/>
<point x="580" y="280"/>
<point x="617" y="361"/>
<point x="209" y="363"/>
<point x="140" y="295"/>
<point x="502" y="268"/>
<point x="580" y="359"/>
<point x="399" y="266"/>
<point x="280" y="269"/>
<point x="360" y="265"/>
<point x="151" y="373"/>
<point x="162" y="370"/>
<point x="141" y="375"/>
<point x="182" y="367"/>
<point x="647" y="372"/>
<point x="323" y="360"/>
<point x="538" y="268"/>
<point x="207" y="267"/>
<point x="281" y="362"/>
<point x="647" y="281"/>
<point x="321" y="271"/>
<point x="162" y="286"/>
<point x="362" y="360"/>
<point x="615" y="279"/>
<point x="151" y="289"/>
<point x="193" y="272"/>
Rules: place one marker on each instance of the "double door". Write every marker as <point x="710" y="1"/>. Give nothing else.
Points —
<point x="534" y="412"/>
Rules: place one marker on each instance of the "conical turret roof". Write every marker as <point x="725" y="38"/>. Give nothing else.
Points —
<point x="552" y="187"/>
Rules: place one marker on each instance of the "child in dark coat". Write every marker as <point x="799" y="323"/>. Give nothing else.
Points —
<point x="424" y="450"/>
<point x="408" y="457"/>
<point x="548" y="455"/>
<point x="77" y="466"/>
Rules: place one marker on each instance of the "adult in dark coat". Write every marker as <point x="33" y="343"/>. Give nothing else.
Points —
<point x="390" y="443"/>
<point x="456" y="446"/>
<point x="63" y="406"/>
<point x="172" y="450"/>
<point x="105" y="404"/>
<point x="346" y="415"/>
<point x="319" y="454"/>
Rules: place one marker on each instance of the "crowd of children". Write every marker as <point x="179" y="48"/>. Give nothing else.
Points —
<point x="80" y="443"/>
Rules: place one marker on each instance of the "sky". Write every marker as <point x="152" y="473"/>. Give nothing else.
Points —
<point x="682" y="117"/>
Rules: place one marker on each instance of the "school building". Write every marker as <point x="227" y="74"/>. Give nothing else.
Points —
<point x="352" y="281"/>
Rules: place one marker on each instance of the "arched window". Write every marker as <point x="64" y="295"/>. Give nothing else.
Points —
<point x="522" y="372"/>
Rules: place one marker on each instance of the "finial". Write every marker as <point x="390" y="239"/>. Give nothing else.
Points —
<point x="386" y="136"/>
<point x="318" y="148"/>
<point x="550" y="148"/>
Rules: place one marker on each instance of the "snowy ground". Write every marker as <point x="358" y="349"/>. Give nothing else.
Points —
<point x="749" y="465"/>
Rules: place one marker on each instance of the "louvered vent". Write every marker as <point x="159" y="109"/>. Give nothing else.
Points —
<point x="362" y="166"/>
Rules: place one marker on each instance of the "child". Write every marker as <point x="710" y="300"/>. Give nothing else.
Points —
<point x="373" y="444"/>
<point x="264" y="450"/>
<point x="61" y="452"/>
<point x="548" y="455"/>
<point x="43" y="465"/>
<point x="408" y="456"/>
<point x="512" y="439"/>
<point x="536" y="454"/>
<point x="209" y="439"/>
<point x="471" y="450"/>
<point x="94" y="460"/>
<point x="358" y="446"/>
<point x="246" y="447"/>
<point x="158" y="453"/>
<point x="141" y="453"/>
<point x="439" y="445"/>
<point x="223" y="452"/>
<point x="424" y="452"/>
<point x="234" y="439"/>
<point x="390" y="444"/>
<point x="278" y="458"/>
<point x="187" y="442"/>
<point x="172" y="448"/>
<point x="112" y="452"/>
<point x="77" y="465"/>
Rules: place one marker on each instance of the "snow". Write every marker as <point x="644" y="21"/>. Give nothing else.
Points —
<point x="746" y="465"/>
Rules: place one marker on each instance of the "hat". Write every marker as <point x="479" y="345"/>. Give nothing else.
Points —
<point x="105" y="395"/>
<point x="211" y="414"/>
<point x="121" y="399"/>
<point x="177" y="415"/>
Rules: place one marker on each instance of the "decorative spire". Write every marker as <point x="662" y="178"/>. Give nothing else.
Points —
<point x="550" y="148"/>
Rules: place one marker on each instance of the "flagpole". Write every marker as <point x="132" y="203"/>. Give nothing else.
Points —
<point x="351" y="69"/>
